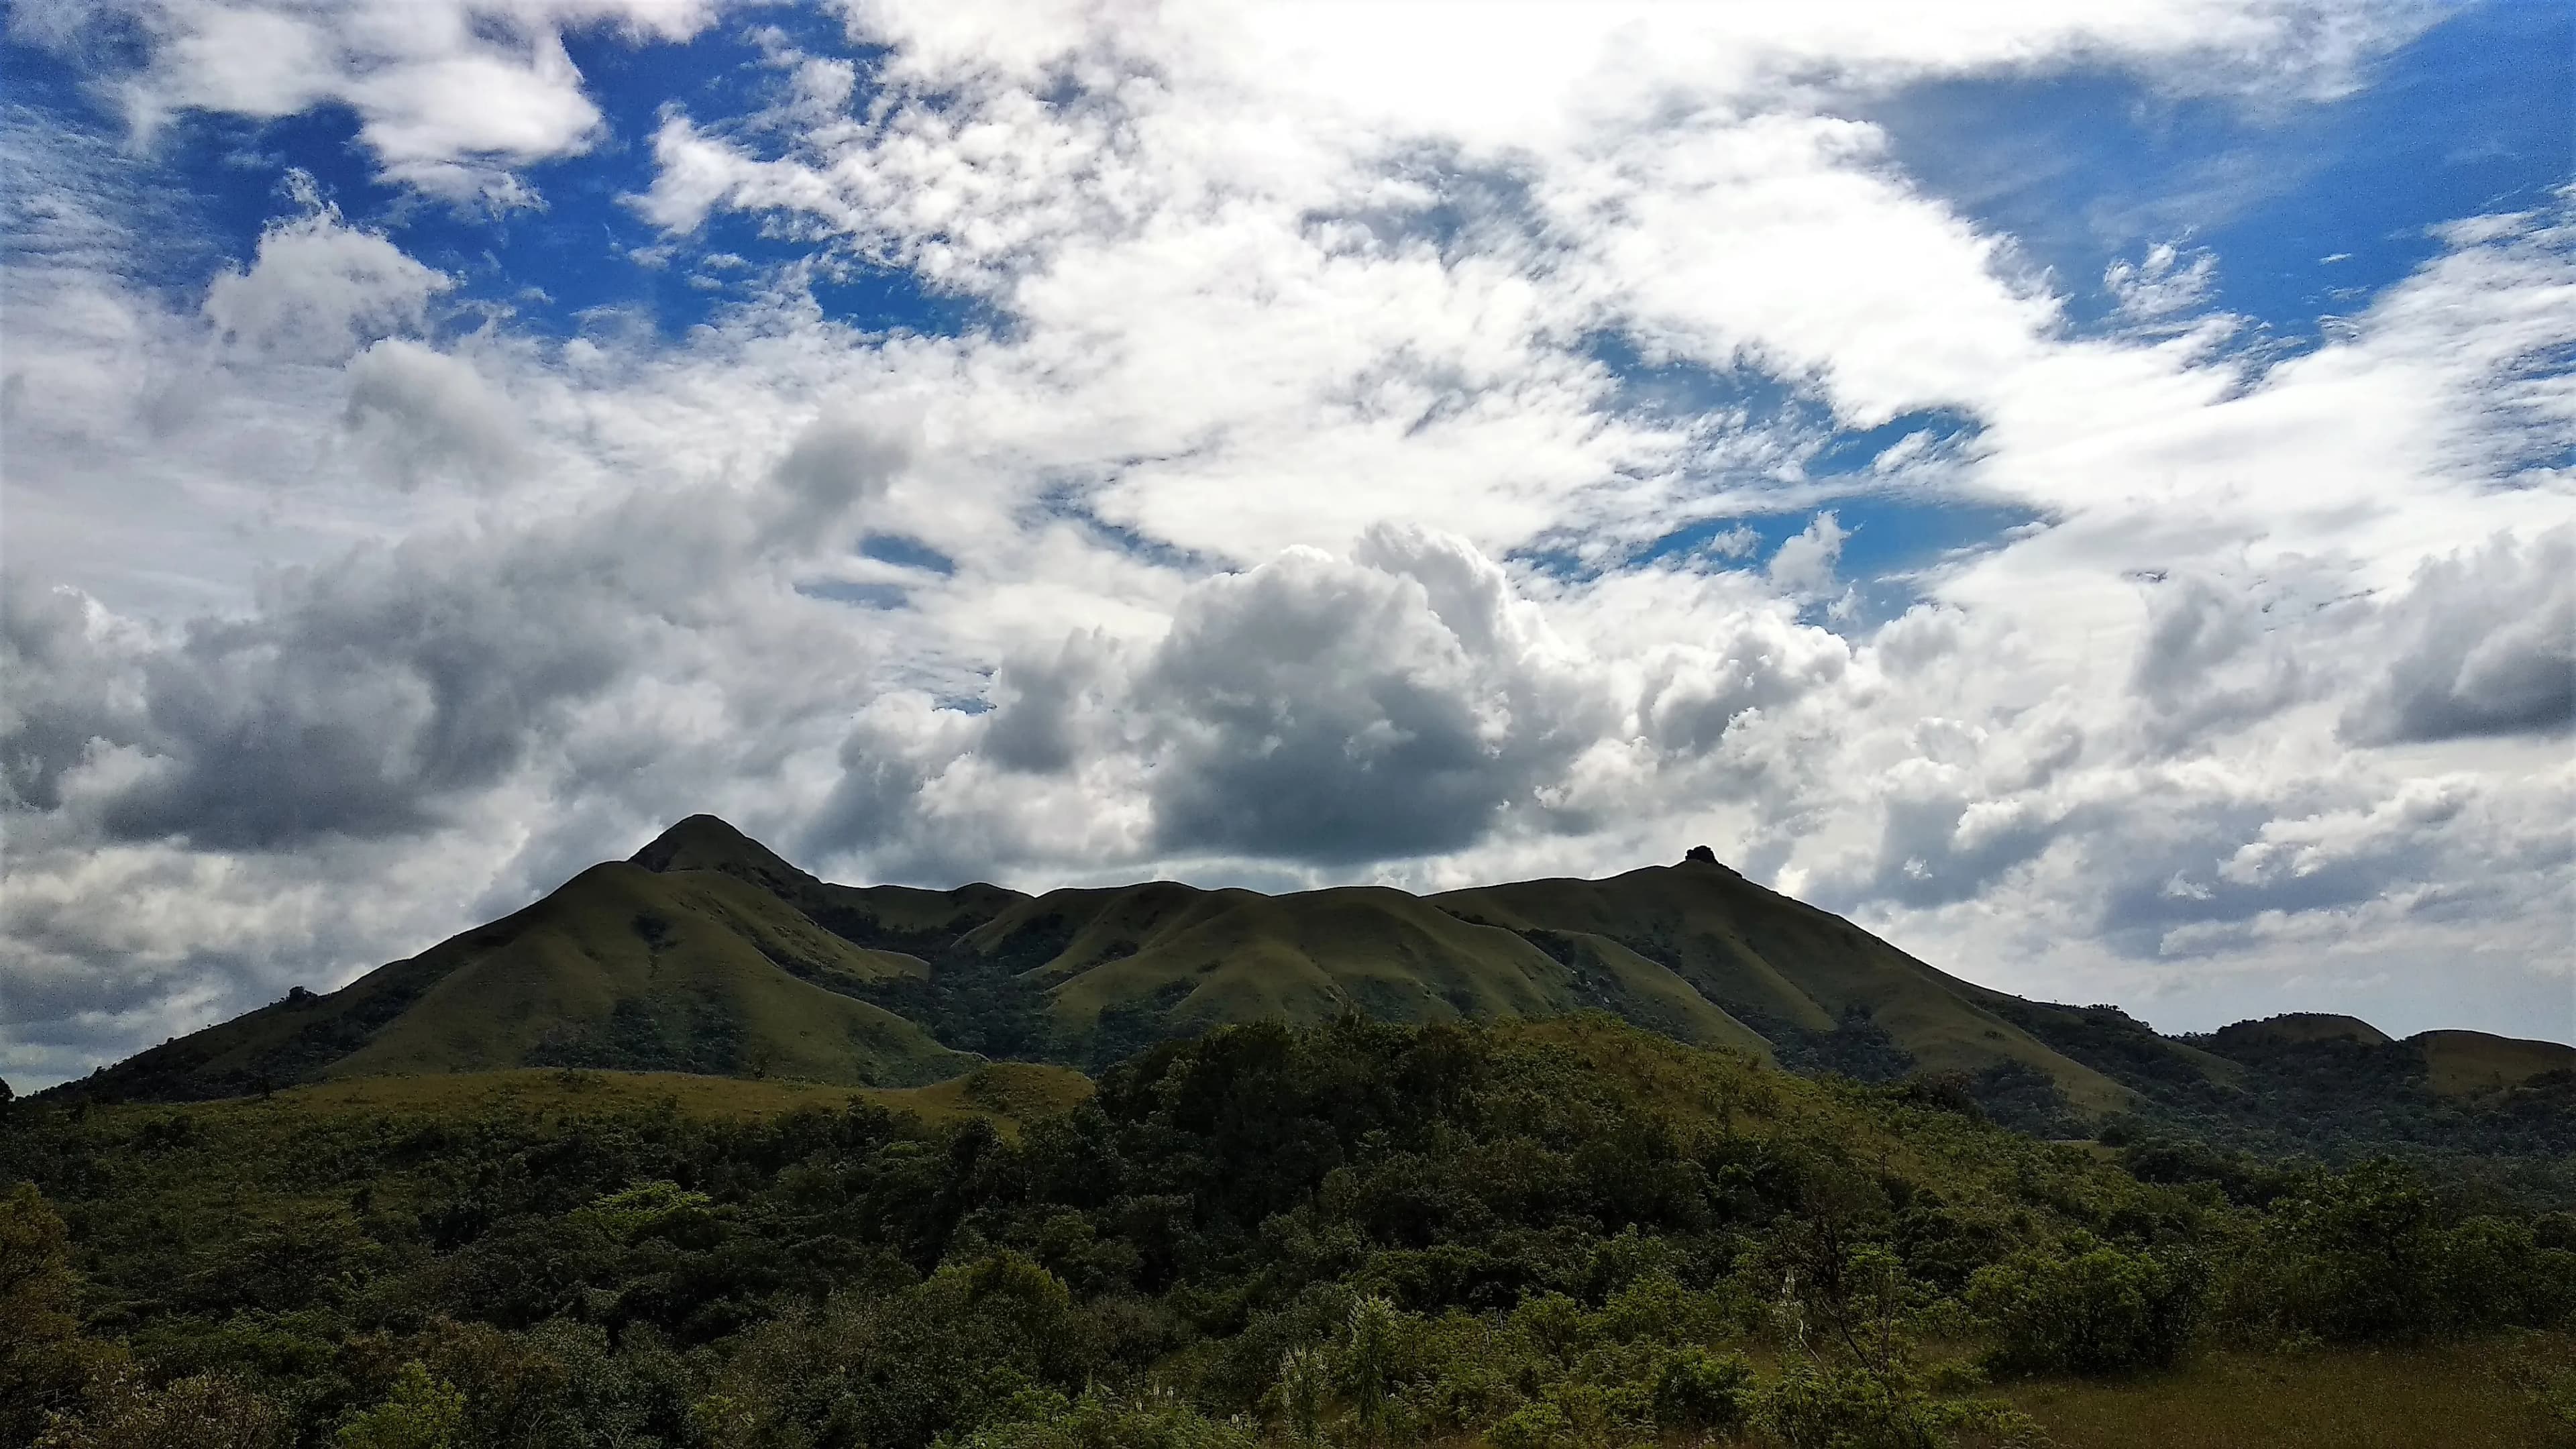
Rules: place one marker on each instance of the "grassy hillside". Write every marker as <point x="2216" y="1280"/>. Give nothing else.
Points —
<point x="1005" y="1093"/>
<point x="899" y="918"/>
<point x="1122" y="967"/>
<point x="708" y="952"/>
<point x="1818" y="987"/>
<point x="2298" y="1028"/>
<point x="2465" y="1063"/>
<point x="620" y="968"/>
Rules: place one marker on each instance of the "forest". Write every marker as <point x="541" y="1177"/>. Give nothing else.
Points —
<point x="1570" y="1234"/>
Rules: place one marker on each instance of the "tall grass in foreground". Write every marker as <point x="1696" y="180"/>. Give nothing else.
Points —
<point x="2456" y="1396"/>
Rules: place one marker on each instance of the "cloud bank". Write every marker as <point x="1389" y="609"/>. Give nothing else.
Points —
<point x="1340" y="479"/>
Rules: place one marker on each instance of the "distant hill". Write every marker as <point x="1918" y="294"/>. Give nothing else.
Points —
<point x="707" y="952"/>
<point x="2298" y="1028"/>
<point x="2465" y="1063"/>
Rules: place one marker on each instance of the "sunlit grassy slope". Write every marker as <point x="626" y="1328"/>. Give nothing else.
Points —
<point x="1771" y="959"/>
<point x="2457" y="1063"/>
<point x="622" y="967"/>
<point x="899" y="914"/>
<point x="1204" y="958"/>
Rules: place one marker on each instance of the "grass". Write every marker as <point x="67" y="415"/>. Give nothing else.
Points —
<point x="2397" y="1398"/>
<point x="1008" y="1092"/>
<point x="621" y="967"/>
<point x="694" y="958"/>
<point x="2458" y="1063"/>
<point x="1742" y="946"/>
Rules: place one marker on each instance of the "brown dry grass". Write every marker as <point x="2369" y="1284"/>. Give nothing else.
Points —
<point x="2446" y="1397"/>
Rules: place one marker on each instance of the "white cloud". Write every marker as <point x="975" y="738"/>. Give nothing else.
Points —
<point x="1294" y="382"/>
<point x="450" y="94"/>
<point x="1804" y="564"/>
<point x="2481" y="643"/>
<point x="2162" y="284"/>
<point x="319" y="288"/>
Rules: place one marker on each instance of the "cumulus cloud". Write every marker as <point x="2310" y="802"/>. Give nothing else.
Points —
<point x="1289" y="521"/>
<point x="1804" y="564"/>
<point x="319" y="287"/>
<point x="2481" y="643"/>
<point x="2211" y="661"/>
<point x="431" y="415"/>
<point x="1398" y="702"/>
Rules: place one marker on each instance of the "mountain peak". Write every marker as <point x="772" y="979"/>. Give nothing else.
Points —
<point x="1702" y="855"/>
<point x="708" y="842"/>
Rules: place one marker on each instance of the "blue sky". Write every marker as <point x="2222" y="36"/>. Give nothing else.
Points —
<point x="2027" y="479"/>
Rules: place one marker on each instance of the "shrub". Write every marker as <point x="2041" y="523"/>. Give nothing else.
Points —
<point x="1813" y="1405"/>
<point x="44" y="1360"/>
<point x="2094" y="1309"/>
<point x="423" y="1413"/>
<point x="1542" y="1425"/>
<point x="1368" y="1360"/>
<point x="1703" y="1392"/>
<point x="1816" y="1406"/>
<point x="1303" y="1379"/>
<point x="1576" y="1415"/>
<point x="203" y="1411"/>
<point x="2364" y="1257"/>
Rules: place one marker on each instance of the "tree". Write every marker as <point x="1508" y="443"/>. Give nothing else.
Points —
<point x="1368" y="1360"/>
<point x="204" y="1411"/>
<point x="423" y="1413"/>
<point x="44" y="1360"/>
<point x="1302" y="1382"/>
<point x="2093" y="1309"/>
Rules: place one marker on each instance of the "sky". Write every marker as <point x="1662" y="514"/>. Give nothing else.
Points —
<point x="2084" y="491"/>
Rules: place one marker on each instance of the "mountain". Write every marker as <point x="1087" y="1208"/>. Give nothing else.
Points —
<point x="623" y="967"/>
<point x="708" y="952"/>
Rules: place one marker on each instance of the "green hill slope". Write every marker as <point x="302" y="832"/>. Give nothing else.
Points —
<point x="2297" y="1028"/>
<point x="1821" y="989"/>
<point x="898" y="918"/>
<point x="708" y="952"/>
<point x="2460" y="1063"/>
<point x="1163" y="959"/>
<point x="621" y="967"/>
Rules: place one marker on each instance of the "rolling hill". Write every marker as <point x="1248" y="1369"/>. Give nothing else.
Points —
<point x="707" y="952"/>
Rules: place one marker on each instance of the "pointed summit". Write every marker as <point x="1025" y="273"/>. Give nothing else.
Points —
<point x="1702" y="855"/>
<point x="705" y="842"/>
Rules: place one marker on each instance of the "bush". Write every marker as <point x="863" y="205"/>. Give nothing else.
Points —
<point x="2363" y="1257"/>
<point x="1576" y="1416"/>
<point x="2094" y="1309"/>
<point x="1702" y="1392"/>
<point x="1815" y="1406"/>
<point x="423" y="1413"/>
<point x="203" y="1411"/>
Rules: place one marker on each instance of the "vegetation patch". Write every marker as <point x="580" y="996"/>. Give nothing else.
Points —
<point x="1567" y="1233"/>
